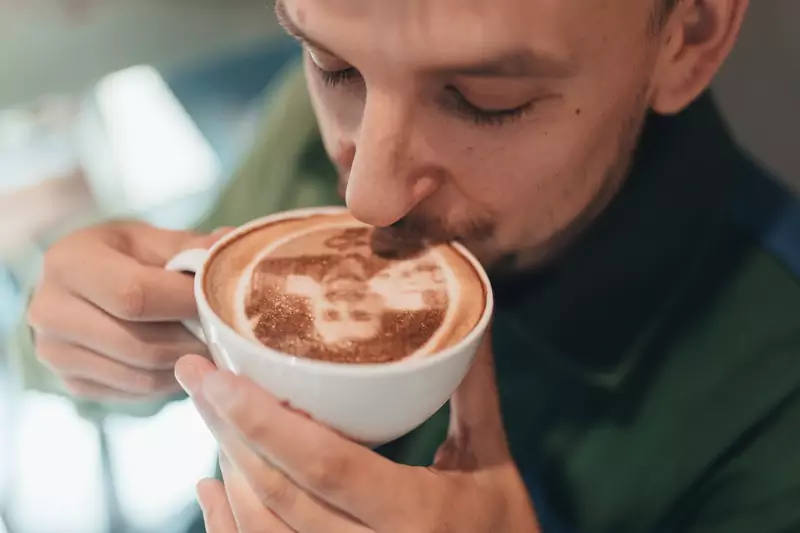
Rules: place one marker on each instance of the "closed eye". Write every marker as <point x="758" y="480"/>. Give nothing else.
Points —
<point x="333" y="78"/>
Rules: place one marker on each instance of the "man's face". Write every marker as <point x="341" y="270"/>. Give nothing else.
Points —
<point x="347" y="311"/>
<point x="507" y="124"/>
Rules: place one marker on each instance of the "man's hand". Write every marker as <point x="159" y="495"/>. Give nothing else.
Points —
<point x="286" y="473"/>
<point x="105" y="312"/>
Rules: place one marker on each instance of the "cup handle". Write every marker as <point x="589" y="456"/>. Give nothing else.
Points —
<point x="190" y="261"/>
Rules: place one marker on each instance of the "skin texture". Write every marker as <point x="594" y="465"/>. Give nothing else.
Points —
<point x="414" y="158"/>
<point x="105" y="310"/>
<point x="407" y="152"/>
<point x="411" y="155"/>
<point x="344" y="485"/>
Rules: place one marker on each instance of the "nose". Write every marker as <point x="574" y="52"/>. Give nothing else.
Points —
<point x="389" y="175"/>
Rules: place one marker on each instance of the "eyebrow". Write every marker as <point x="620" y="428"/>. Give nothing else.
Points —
<point x="515" y="64"/>
<point x="291" y="28"/>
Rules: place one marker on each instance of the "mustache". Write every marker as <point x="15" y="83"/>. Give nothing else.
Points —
<point x="427" y="228"/>
<point x="437" y="230"/>
<point x="408" y="237"/>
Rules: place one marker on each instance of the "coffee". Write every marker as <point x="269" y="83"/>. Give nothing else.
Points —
<point x="318" y="287"/>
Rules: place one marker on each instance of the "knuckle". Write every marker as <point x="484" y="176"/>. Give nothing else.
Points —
<point x="250" y="424"/>
<point x="276" y="490"/>
<point x="79" y="389"/>
<point x="129" y="302"/>
<point x="327" y="473"/>
<point x="153" y="356"/>
<point x="35" y="316"/>
<point x="52" y="260"/>
<point x="47" y="354"/>
<point x="144" y="383"/>
<point x="40" y="314"/>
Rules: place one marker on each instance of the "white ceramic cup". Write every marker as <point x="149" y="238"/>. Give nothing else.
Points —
<point x="370" y="403"/>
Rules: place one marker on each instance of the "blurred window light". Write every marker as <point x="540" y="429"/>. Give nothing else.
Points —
<point x="159" y="153"/>
<point x="59" y="485"/>
<point x="157" y="462"/>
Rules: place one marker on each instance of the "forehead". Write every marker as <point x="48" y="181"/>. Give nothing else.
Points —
<point x="416" y="30"/>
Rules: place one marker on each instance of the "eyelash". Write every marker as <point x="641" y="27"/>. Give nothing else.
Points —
<point x="459" y="102"/>
<point x="332" y="78"/>
<point x="483" y="117"/>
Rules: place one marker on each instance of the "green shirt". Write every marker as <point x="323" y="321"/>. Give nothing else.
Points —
<point x="651" y="379"/>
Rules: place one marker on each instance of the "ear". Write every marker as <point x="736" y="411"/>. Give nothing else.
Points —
<point x="695" y="40"/>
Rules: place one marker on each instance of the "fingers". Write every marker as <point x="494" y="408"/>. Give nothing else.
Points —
<point x="217" y="513"/>
<point x="89" y="390"/>
<point x="346" y="475"/>
<point x="72" y="362"/>
<point x="269" y="487"/>
<point x="100" y="357"/>
<point x="190" y="372"/>
<point x="257" y="483"/>
<point x="249" y="512"/>
<point x="148" y="346"/>
<point x="106" y="310"/>
<point x="119" y="268"/>
<point x="126" y="289"/>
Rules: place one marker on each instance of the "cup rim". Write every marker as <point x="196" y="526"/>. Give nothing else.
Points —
<point x="402" y="366"/>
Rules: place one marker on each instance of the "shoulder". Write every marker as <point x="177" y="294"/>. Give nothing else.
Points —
<point x="748" y="299"/>
<point x="739" y="355"/>
<point x="768" y="213"/>
<point x="740" y="325"/>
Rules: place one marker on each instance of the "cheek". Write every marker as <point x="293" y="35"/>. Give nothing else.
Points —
<point x="536" y="175"/>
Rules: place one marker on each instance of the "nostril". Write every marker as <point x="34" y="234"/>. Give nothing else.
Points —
<point x="424" y="186"/>
<point x="376" y="213"/>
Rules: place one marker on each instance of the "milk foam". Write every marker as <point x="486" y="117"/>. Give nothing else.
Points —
<point x="398" y="292"/>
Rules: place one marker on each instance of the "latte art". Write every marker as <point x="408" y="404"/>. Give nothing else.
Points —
<point x="315" y="288"/>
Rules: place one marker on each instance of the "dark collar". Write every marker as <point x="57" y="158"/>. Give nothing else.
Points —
<point x="597" y="310"/>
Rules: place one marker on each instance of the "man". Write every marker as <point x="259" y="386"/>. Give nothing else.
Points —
<point x="647" y="330"/>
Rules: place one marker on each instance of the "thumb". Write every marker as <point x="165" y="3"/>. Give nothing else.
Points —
<point x="476" y="425"/>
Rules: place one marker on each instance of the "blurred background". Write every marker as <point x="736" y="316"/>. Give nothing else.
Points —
<point x="144" y="107"/>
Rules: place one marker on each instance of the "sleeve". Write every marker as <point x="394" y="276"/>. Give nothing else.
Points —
<point x="285" y="168"/>
<point x="758" y="489"/>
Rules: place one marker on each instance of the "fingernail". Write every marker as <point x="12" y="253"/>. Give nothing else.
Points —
<point x="189" y="376"/>
<point x="202" y="489"/>
<point x="220" y="390"/>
